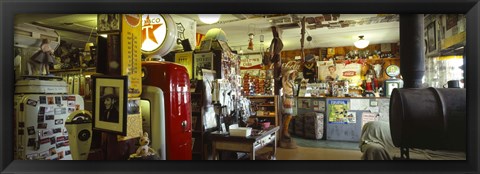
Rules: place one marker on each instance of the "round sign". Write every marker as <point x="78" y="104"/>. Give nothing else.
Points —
<point x="159" y="34"/>
<point x="133" y="19"/>
<point x="392" y="70"/>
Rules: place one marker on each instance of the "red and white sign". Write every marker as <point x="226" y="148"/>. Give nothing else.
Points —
<point x="154" y="31"/>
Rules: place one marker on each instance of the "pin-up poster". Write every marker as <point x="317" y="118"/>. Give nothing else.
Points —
<point x="131" y="41"/>
<point x="327" y="70"/>
<point x="338" y="110"/>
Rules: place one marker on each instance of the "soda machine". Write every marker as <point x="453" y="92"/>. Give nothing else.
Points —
<point x="169" y="116"/>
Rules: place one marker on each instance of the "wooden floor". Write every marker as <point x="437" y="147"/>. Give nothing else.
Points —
<point x="308" y="153"/>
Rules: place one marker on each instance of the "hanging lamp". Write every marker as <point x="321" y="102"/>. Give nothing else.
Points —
<point x="361" y="43"/>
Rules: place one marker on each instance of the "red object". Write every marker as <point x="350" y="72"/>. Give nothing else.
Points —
<point x="173" y="79"/>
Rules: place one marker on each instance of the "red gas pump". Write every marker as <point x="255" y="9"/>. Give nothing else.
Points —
<point x="173" y="80"/>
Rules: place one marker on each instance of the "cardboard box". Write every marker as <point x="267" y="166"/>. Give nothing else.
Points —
<point x="241" y="131"/>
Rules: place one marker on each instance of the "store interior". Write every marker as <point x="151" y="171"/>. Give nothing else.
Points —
<point x="235" y="87"/>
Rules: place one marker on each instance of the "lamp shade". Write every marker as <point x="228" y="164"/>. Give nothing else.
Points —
<point x="361" y="43"/>
<point x="209" y="18"/>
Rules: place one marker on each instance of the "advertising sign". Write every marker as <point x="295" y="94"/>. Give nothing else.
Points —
<point x="338" y="111"/>
<point x="131" y="54"/>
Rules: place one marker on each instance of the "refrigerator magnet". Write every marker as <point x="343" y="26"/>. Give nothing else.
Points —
<point x="31" y="130"/>
<point x="62" y="138"/>
<point x="60" y="155"/>
<point x="71" y="98"/>
<point x="32" y="156"/>
<point x="67" y="152"/>
<point x="42" y="126"/>
<point x="52" y="140"/>
<point x="58" y="100"/>
<point x="43" y="99"/>
<point x="31" y="102"/>
<point x="49" y="117"/>
<point x="70" y="110"/>
<point x="44" y="154"/>
<point x="41" y="118"/>
<point x="57" y="130"/>
<point x="45" y="140"/>
<point x="46" y="133"/>
<point x="58" y="111"/>
<point x="52" y="151"/>
<point x="41" y="110"/>
<point x="58" y="121"/>
<point x="71" y="103"/>
<point x="21" y="124"/>
<point x="50" y="100"/>
<point x="65" y="97"/>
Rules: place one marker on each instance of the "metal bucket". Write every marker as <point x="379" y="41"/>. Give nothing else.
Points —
<point x="429" y="118"/>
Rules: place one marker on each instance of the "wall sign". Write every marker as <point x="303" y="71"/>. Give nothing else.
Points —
<point x="131" y="55"/>
<point x="159" y="34"/>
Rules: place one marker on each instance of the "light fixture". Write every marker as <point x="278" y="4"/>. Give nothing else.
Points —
<point x="361" y="43"/>
<point x="209" y="18"/>
<point x="250" y="41"/>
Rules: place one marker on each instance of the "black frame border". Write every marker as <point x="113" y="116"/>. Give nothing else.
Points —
<point x="8" y="8"/>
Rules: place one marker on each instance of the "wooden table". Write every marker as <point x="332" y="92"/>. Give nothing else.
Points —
<point x="248" y="144"/>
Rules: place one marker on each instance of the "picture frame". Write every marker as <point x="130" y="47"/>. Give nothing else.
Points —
<point x="431" y="37"/>
<point x="202" y="61"/>
<point x="108" y="23"/>
<point x="205" y="45"/>
<point x="110" y="96"/>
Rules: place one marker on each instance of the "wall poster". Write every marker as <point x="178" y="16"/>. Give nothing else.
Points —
<point x="338" y="110"/>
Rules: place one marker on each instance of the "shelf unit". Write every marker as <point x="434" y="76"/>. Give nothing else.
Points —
<point x="266" y="108"/>
<point x="201" y="145"/>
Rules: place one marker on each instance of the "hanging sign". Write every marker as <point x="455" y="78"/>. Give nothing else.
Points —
<point x="131" y="55"/>
<point x="253" y="61"/>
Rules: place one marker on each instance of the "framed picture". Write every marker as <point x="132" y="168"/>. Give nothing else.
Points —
<point x="205" y="45"/>
<point x="108" y="23"/>
<point x="110" y="103"/>
<point x="431" y="37"/>
<point x="202" y="61"/>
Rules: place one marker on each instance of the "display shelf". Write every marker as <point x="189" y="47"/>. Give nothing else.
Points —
<point x="262" y="103"/>
<point x="266" y="105"/>
<point x="72" y="69"/>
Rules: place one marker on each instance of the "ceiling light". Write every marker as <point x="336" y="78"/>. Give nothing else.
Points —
<point x="361" y="43"/>
<point x="209" y="18"/>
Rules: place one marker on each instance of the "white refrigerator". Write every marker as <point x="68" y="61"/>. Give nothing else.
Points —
<point x="41" y="109"/>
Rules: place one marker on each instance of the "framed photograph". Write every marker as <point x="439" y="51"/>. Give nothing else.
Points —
<point x="110" y="103"/>
<point x="108" y="23"/>
<point x="431" y="37"/>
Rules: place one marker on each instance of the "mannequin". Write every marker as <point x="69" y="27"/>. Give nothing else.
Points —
<point x="288" y="79"/>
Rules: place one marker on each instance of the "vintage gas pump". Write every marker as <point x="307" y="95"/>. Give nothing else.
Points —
<point x="166" y="95"/>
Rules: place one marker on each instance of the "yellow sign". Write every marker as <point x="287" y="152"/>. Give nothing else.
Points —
<point x="131" y="53"/>
<point x="185" y="59"/>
